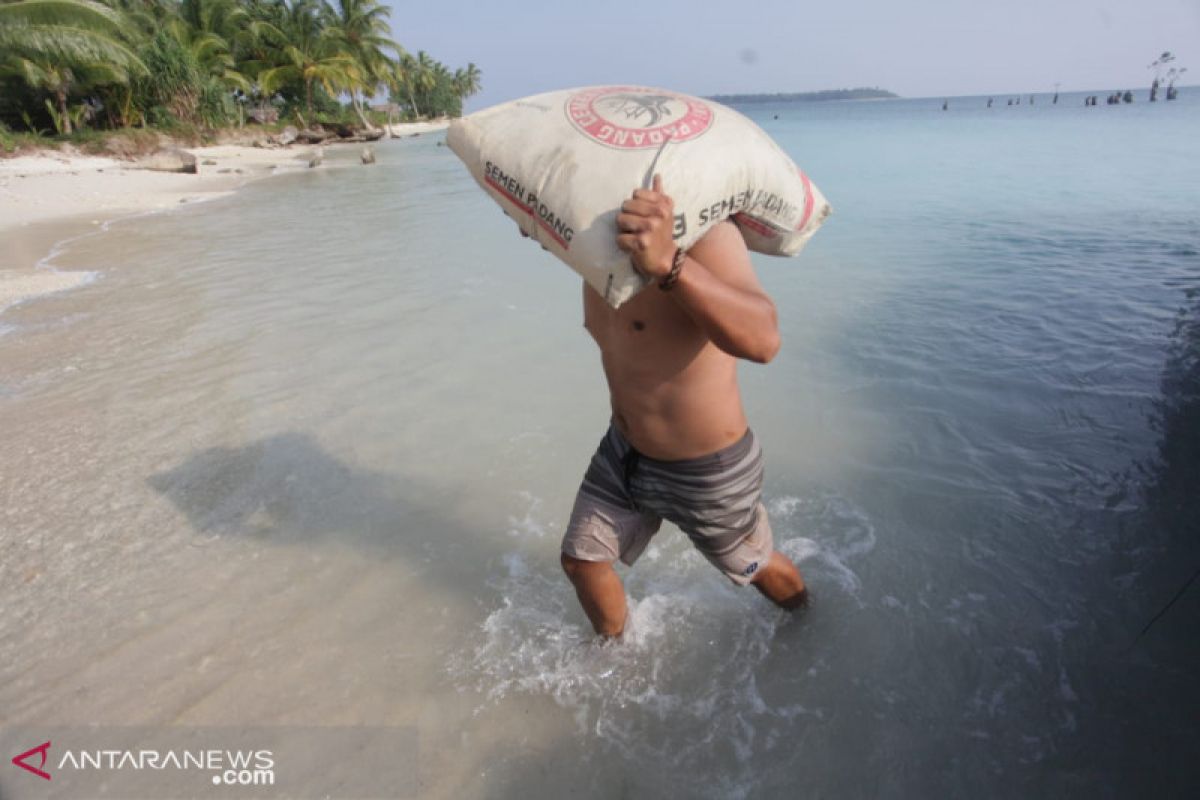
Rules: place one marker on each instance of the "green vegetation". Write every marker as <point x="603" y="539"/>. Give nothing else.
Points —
<point x="182" y="66"/>
<point x="874" y="93"/>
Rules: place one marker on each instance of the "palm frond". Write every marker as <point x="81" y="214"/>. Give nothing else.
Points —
<point x="68" y="45"/>
<point x="77" y="13"/>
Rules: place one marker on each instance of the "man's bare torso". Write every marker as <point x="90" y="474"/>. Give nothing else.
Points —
<point x="671" y="362"/>
<point x="674" y="393"/>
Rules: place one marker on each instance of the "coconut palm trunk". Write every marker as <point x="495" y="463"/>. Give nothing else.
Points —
<point x="64" y="116"/>
<point x="358" y="104"/>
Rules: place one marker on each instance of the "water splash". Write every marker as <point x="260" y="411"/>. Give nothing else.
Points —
<point x="683" y="684"/>
<point x="823" y="534"/>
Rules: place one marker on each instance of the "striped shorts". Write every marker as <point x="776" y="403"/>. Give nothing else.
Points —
<point x="714" y="499"/>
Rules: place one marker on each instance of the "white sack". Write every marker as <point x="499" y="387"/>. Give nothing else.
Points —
<point x="561" y="164"/>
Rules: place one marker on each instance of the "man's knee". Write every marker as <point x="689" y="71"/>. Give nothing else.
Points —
<point x="577" y="567"/>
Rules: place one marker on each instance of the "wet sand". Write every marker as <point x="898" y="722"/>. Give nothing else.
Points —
<point x="51" y="197"/>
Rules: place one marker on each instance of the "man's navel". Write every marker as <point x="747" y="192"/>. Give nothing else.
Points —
<point x="638" y="325"/>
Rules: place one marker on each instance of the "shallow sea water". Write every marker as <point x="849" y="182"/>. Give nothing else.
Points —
<point x="304" y="456"/>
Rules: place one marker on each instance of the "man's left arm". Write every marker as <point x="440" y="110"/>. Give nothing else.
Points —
<point x="715" y="285"/>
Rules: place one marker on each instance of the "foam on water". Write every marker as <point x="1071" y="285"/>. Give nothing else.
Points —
<point x="823" y="534"/>
<point x="41" y="283"/>
<point x="682" y="685"/>
<point x="47" y="279"/>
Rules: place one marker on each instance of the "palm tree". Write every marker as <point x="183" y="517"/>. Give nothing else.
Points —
<point x="309" y="54"/>
<point x="466" y="81"/>
<point x="257" y="42"/>
<point x="404" y="76"/>
<point x="207" y="28"/>
<point x="427" y="66"/>
<point x="160" y="60"/>
<point x="422" y="77"/>
<point x="442" y="89"/>
<point x="362" y="31"/>
<point x="55" y="46"/>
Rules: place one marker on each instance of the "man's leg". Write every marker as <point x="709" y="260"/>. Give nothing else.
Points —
<point x="780" y="582"/>
<point x="600" y="592"/>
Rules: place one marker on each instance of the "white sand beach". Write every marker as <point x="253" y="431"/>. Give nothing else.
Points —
<point x="417" y="128"/>
<point x="52" y="196"/>
<point x="52" y="185"/>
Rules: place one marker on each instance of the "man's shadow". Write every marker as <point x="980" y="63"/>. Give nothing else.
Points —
<point x="286" y="490"/>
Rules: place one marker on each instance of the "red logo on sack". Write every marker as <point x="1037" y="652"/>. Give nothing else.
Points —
<point x="634" y="117"/>
<point x="20" y="760"/>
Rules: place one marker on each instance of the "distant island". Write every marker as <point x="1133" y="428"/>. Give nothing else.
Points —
<point x="863" y="93"/>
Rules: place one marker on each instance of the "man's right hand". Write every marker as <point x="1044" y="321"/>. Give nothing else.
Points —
<point x="647" y="230"/>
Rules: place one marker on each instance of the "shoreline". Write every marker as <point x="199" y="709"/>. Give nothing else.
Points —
<point x="403" y="130"/>
<point x="50" y="199"/>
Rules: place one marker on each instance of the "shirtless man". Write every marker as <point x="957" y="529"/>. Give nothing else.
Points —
<point x="678" y="446"/>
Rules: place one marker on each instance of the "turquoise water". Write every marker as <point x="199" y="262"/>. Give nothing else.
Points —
<point x="335" y="424"/>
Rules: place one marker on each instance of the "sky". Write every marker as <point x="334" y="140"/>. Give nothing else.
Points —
<point x="915" y="48"/>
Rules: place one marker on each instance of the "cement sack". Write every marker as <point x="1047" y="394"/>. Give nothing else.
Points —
<point x="561" y="164"/>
